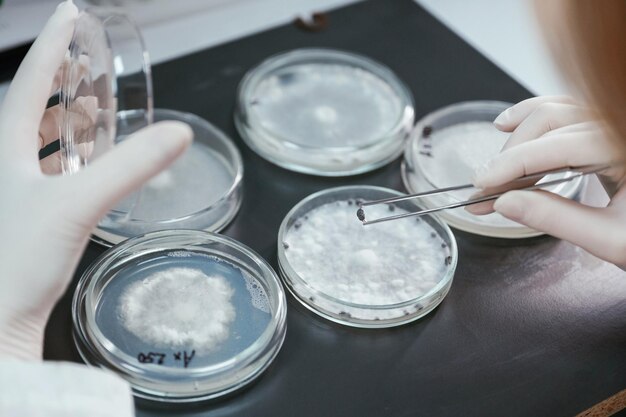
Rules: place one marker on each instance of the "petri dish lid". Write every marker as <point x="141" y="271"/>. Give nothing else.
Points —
<point x="105" y="75"/>
<point x="183" y="316"/>
<point x="445" y="147"/>
<point x="369" y="277"/>
<point x="324" y="112"/>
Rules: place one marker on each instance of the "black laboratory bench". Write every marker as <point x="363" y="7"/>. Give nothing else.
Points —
<point x="533" y="327"/>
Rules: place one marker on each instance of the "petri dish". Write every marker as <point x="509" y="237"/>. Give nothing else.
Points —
<point x="201" y="190"/>
<point x="107" y="71"/>
<point x="445" y="148"/>
<point x="324" y="112"/>
<point x="105" y="96"/>
<point x="375" y="276"/>
<point x="183" y="316"/>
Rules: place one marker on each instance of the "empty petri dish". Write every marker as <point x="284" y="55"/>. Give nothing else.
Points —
<point x="105" y="96"/>
<point x="183" y="316"/>
<point x="201" y="190"/>
<point x="324" y="112"/>
<point x="107" y="70"/>
<point x="375" y="276"/>
<point x="445" y="148"/>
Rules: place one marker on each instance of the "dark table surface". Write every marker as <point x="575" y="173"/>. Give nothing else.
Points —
<point x="533" y="327"/>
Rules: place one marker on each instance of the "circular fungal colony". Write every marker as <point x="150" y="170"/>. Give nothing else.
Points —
<point x="332" y="105"/>
<point x="202" y="321"/>
<point x="183" y="310"/>
<point x="376" y="265"/>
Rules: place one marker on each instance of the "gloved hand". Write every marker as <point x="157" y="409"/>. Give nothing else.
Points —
<point x="45" y="221"/>
<point x="549" y="133"/>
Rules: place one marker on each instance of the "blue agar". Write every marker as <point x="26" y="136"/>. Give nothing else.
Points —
<point x="249" y="299"/>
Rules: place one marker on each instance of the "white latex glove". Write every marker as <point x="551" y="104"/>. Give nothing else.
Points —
<point x="45" y="221"/>
<point x="549" y="133"/>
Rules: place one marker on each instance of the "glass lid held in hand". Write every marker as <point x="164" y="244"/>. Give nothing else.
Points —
<point x="106" y="95"/>
<point x="105" y="77"/>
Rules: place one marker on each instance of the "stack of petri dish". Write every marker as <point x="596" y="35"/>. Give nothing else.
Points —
<point x="443" y="151"/>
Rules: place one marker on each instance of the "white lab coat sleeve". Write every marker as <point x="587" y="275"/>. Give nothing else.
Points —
<point x="61" y="389"/>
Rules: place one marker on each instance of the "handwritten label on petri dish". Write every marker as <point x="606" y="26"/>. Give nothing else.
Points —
<point x="158" y="358"/>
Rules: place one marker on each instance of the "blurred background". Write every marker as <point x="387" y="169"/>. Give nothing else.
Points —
<point x="503" y="30"/>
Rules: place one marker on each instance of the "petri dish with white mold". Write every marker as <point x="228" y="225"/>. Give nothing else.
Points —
<point x="445" y="148"/>
<point x="183" y="316"/>
<point x="373" y="276"/>
<point x="105" y="96"/>
<point x="324" y="112"/>
<point x="201" y="190"/>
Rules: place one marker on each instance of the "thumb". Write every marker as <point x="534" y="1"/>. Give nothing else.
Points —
<point x="127" y="166"/>
<point x="591" y="228"/>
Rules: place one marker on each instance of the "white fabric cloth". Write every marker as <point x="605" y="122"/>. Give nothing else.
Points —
<point x="61" y="389"/>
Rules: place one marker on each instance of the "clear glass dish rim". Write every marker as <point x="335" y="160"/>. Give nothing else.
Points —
<point x="509" y="232"/>
<point x="102" y="14"/>
<point x="236" y="159"/>
<point x="85" y="298"/>
<point x="291" y="273"/>
<point x="340" y="57"/>
<point x="302" y="168"/>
